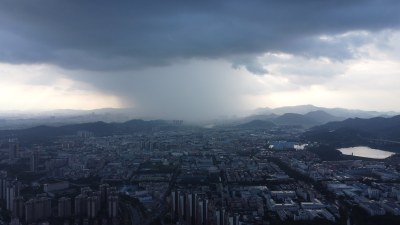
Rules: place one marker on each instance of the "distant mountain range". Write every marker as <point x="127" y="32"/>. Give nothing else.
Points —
<point x="45" y="133"/>
<point x="26" y="119"/>
<point x="355" y="131"/>
<point x="322" y="117"/>
<point x="337" y="112"/>
<point x="294" y="119"/>
<point x="307" y="120"/>
<point x="305" y="116"/>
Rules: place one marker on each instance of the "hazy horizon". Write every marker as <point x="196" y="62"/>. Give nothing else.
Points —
<point x="125" y="114"/>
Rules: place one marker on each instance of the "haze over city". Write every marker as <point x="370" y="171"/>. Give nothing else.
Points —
<point x="199" y="60"/>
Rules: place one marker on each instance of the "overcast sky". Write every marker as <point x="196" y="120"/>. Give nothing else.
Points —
<point x="199" y="59"/>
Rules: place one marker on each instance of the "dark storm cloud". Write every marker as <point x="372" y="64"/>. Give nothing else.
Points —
<point x="169" y="58"/>
<point x="114" y="35"/>
<point x="250" y="63"/>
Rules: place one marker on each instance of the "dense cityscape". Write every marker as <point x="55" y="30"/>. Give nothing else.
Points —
<point x="179" y="174"/>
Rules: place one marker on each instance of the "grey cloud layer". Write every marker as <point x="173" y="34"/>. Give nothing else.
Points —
<point x="113" y="35"/>
<point x="169" y="58"/>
